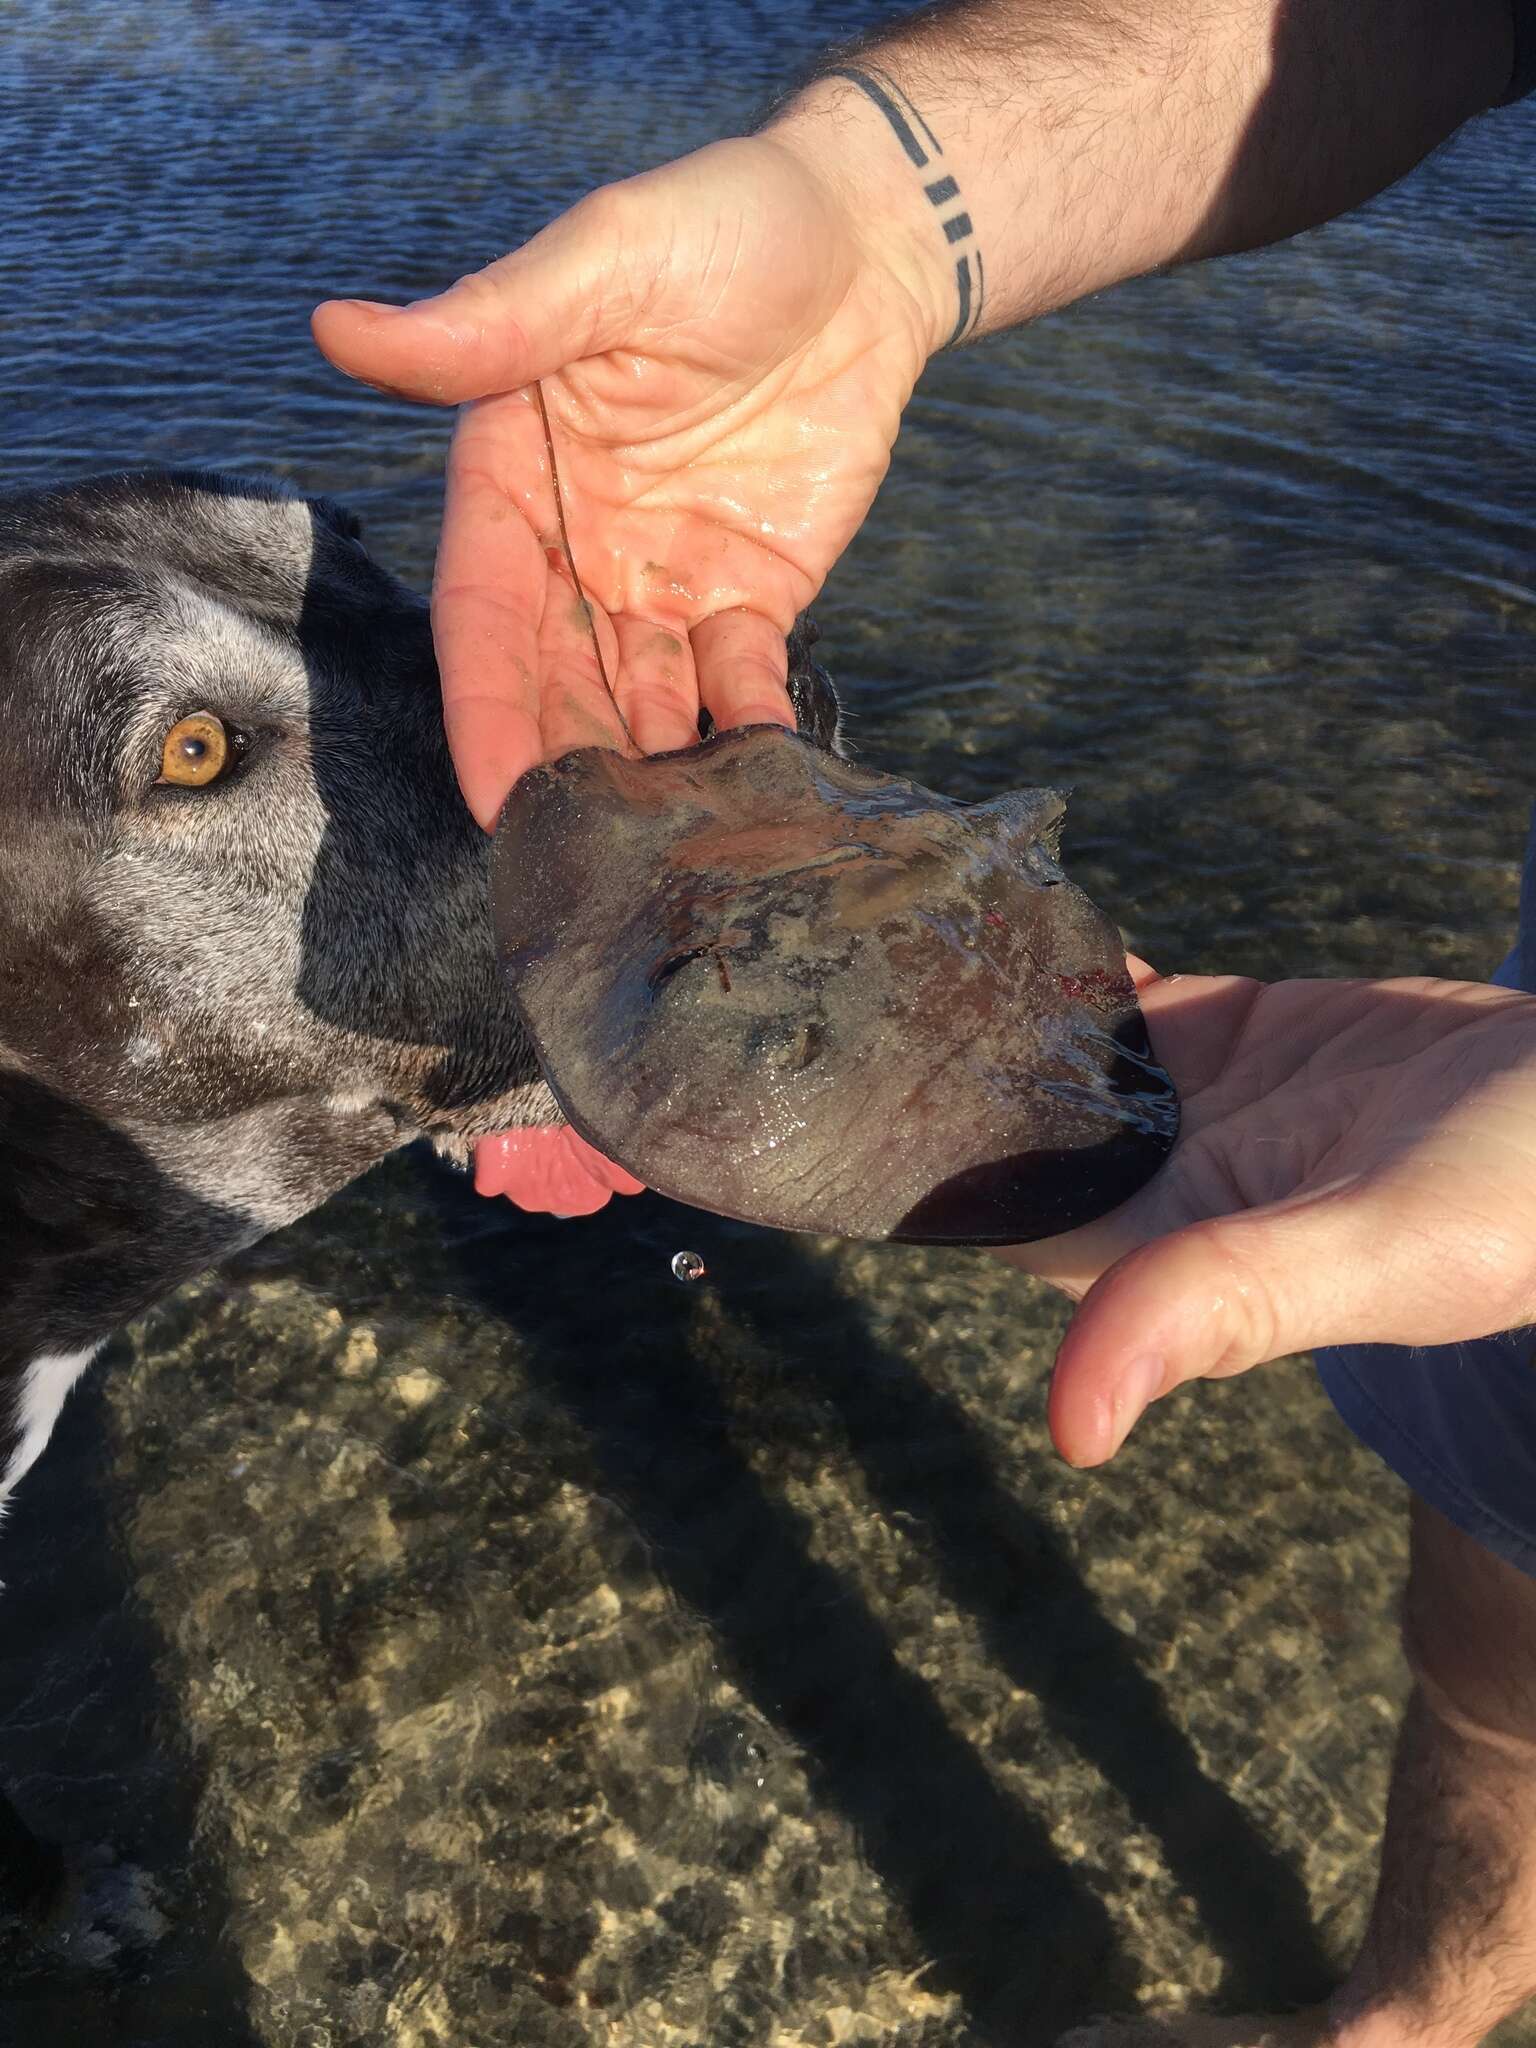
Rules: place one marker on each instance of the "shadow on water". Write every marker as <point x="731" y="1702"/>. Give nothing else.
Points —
<point x="1010" y="1926"/>
<point x="1008" y="1568"/>
<point x="135" y="1950"/>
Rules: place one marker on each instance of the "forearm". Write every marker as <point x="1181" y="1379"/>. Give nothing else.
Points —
<point x="1009" y="156"/>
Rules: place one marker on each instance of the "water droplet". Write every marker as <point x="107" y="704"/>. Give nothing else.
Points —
<point x="688" y="1266"/>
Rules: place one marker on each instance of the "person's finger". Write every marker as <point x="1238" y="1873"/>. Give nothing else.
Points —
<point x="656" y="688"/>
<point x="742" y="664"/>
<point x="525" y="316"/>
<point x="1196" y="1022"/>
<point x="488" y="594"/>
<point x="503" y="607"/>
<point x="1217" y="1298"/>
<point x="576" y="708"/>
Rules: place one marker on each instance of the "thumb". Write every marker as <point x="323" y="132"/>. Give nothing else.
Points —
<point x="1216" y="1298"/>
<point x="523" y="317"/>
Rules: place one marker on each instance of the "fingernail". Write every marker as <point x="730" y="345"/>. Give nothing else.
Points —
<point x="1140" y="1385"/>
<point x="483" y="806"/>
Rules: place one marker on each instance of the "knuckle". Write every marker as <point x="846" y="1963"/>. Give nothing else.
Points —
<point x="605" y="213"/>
<point x="1505" y="1278"/>
<point x="477" y="288"/>
<point x="755" y="673"/>
<point x="648" y="695"/>
<point x="1240" y="1302"/>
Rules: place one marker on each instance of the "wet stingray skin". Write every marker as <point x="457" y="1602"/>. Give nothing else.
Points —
<point x="790" y="988"/>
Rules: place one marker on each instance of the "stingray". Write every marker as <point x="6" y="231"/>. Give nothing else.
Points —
<point x="791" y="988"/>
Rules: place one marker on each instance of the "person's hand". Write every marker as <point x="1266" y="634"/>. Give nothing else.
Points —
<point x="1357" y="1164"/>
<point x="725" y="358"/>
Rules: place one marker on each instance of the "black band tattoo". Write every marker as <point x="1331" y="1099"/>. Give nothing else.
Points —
<point x="922" y="146"/>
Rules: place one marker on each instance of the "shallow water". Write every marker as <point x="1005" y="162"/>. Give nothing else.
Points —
<point x="448" y="1629"/>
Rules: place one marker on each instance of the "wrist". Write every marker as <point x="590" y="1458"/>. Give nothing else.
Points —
<point x="863" y="156"/>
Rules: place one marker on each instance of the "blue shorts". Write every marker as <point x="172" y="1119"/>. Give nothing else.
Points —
<point x="1458" y="1423"/>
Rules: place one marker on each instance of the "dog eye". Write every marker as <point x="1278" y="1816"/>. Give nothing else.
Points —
<point x="198" y="751"/>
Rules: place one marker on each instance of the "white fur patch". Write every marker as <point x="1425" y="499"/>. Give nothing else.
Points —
<point x="44" y="1385"/>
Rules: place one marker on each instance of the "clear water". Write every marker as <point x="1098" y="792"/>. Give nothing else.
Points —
<point x="445" y="1628"/>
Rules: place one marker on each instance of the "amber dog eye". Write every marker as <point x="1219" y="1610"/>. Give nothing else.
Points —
<point x="198" y="750"/>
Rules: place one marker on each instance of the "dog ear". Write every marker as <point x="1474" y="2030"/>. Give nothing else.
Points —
<point x="338" y="517"/>
<point x="818" y="714"/>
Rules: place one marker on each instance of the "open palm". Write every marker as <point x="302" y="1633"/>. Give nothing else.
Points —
<point x="1357" y="1163"/>
<point x="724" y="371"/>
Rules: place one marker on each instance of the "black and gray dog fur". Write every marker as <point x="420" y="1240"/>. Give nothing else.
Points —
<point x="220" y="1005"/>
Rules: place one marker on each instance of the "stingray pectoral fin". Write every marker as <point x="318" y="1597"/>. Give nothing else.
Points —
<point x="1030" y="1195"/>
<point x="1034" y="1191"/>
<point x="1024" y="818"/>
<point x="793" y="989"/>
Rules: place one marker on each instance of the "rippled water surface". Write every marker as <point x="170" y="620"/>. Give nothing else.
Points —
<point x="445" y="1628"/>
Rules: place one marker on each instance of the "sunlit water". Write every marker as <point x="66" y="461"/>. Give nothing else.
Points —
<point x="447" y="1629"/>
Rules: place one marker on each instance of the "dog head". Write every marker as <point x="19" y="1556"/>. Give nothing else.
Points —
<point x="244" y="941"/>
<point x="243" y="938"/>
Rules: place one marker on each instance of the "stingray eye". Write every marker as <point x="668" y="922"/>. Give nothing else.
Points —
<point x="198" y="750"/>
